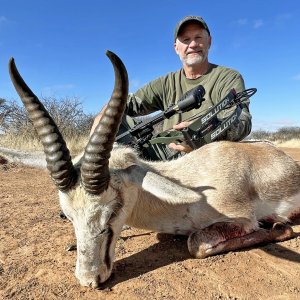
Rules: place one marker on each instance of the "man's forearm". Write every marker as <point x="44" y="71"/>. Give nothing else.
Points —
<point x="240" y="129"/>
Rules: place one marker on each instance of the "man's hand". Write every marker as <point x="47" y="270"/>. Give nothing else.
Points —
<point x="183" y="147"/>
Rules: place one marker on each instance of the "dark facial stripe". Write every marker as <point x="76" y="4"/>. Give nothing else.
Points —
<point x="110" y="236"/>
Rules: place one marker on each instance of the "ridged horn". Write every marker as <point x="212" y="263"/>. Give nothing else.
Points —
<point x="94" y="169"/>
<point x="57" y="154"/>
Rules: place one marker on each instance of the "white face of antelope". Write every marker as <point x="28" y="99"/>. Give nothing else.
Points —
<point x="97" y="221"/>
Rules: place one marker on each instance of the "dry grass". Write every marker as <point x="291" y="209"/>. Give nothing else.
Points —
<point x="13" y="141"/>
<point x="283" y="137"/>
<point x="293" y="143"/>
<point x="22" y="142"/>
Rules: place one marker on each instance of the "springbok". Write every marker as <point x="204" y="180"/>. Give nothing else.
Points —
<point x="218" y="195"/>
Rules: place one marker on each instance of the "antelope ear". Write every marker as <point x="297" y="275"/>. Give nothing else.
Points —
<point x="163" y="188"/>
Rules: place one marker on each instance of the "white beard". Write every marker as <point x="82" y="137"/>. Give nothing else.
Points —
<point x="193" y="60"/>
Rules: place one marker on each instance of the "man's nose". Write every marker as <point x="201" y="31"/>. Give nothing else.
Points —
<point x="193" y="43"/>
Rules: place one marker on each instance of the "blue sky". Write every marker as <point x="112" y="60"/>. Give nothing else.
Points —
<point x="59" y="48"/>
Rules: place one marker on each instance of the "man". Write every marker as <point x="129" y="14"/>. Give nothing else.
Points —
<point x="192" y="41"/>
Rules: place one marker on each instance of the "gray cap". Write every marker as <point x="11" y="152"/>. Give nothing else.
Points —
<point x="187" y="19"/>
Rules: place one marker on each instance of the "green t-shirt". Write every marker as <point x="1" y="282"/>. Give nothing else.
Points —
<point x="165" y="91"/>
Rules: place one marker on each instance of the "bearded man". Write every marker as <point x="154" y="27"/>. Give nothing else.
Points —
<point x="192" y="41"/>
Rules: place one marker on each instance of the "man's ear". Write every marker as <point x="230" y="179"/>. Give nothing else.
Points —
<point x="209" y="41"/>
<point x="175" y="47"/>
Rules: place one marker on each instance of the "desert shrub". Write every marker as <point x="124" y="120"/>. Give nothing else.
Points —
<point x="281" y="135"/>
<point x="260" y="135"/>
<point x="287" y="133"/>
<point x="18" y="132"/>
<point x="11" y="113"/>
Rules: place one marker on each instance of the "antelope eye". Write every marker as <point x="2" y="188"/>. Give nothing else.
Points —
<point x="66" y="216"/>
<point x="104" y="231"/>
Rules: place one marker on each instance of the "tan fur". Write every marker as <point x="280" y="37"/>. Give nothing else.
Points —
<point x="228" y="180"/>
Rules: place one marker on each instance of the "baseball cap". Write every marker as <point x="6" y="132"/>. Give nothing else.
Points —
<point x="187" y="19"/>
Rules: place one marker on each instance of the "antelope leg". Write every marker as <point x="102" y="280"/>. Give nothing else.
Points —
<point x="224" y="237"/>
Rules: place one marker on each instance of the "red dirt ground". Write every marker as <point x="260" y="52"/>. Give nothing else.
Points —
<point x="35" y="265"/>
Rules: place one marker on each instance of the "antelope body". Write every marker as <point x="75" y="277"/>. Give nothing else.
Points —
<point x="218" y="195"/>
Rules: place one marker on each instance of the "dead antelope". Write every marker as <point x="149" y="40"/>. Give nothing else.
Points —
<point x="217" y="195"/>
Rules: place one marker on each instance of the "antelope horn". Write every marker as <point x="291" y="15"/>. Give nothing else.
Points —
<point x="58" y="156"/>
<point x="94" y="169"/>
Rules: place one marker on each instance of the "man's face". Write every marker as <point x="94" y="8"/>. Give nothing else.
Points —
<point x="192" y="44"/>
